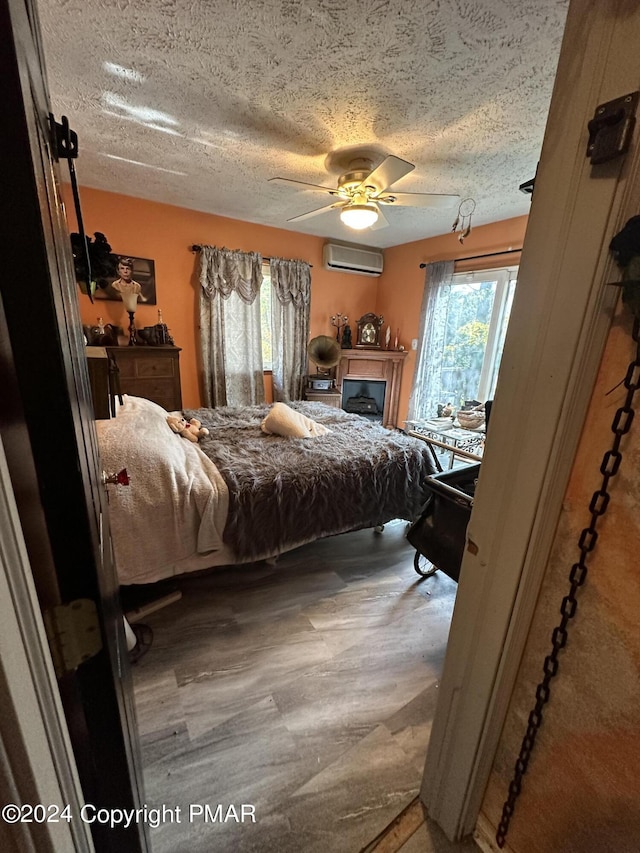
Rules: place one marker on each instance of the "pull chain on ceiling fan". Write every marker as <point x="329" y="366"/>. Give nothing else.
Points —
<point x="362" y="190"/>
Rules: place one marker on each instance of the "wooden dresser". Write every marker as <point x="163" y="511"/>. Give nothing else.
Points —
<point x="150" y="372"/>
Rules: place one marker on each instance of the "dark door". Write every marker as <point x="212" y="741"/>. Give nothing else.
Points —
<point x="46" y="423"/>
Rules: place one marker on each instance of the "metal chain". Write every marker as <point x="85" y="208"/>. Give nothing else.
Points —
<point x="598" y="506"/>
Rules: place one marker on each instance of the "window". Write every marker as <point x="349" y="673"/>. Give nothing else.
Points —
<point x="465" y="346"/>
<point x="265" y="318"/>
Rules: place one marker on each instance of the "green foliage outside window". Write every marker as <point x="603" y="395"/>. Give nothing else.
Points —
<point x="465" y="340"/>
<point x="468" y="348"/>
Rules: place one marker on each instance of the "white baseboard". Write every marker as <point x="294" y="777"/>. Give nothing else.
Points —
<point x="484" y="836"/>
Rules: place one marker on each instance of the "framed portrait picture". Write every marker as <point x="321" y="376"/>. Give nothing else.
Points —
<point x="129" y="271"/>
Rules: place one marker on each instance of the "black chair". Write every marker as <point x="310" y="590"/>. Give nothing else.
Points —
<point x="439" y="534"/>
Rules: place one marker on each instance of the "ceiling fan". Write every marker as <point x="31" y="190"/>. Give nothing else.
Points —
<point x="362" y="190"/>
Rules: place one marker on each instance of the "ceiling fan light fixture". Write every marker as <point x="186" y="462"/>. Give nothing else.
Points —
<point x="359" y="216"/>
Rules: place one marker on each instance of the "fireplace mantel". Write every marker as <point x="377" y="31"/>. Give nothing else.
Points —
<point x="379" y="365"/>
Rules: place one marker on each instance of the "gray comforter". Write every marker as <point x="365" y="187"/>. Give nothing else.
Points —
<point x="286" y="491"/>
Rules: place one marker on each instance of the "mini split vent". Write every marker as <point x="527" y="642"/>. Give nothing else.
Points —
<point x="348" y="259"/>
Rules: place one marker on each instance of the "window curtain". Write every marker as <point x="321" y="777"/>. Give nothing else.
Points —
<point x="433" y="315"/>
<point x="290" y="301"/>
<point x="230" y="332"/>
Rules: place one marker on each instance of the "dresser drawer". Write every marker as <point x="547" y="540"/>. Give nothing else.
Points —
<point x="146" y="365"/>
<point x="126" y="366"/>
<point x="149" y="388"/>
<point x="152" y="373"/>
<point x="153" y="367"/>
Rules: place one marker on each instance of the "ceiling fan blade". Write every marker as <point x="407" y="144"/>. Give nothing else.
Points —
<point x="302" y="185"/>
<point x="433" y="200"/>
<point x="381" y="221"/>
<point x="388" y="172"/>
<point x="317" y="211"/>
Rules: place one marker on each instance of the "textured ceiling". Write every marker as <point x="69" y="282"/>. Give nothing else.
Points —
<point x="198" y="103"/>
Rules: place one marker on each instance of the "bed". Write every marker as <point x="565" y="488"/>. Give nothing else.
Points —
<point x="240" y="495"/>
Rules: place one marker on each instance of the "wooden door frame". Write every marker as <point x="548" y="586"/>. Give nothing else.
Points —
<point x="36" y="760"/>
<point x="49" y="438"/>
<point x="558" y="328"/>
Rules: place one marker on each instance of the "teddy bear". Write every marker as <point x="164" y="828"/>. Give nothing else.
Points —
<point x="192" y="430"/>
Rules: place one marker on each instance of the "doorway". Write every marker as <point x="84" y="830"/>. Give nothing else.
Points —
<point x="576" y="342"/>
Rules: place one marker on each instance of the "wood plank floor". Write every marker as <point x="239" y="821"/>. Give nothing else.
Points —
<point x="305" y="690"/>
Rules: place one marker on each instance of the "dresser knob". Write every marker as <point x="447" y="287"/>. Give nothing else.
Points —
<point x="119" y="479"/>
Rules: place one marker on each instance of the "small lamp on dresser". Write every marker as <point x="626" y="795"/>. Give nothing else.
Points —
<point x="130" y="301"/>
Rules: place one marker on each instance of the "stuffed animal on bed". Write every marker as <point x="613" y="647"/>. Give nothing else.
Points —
<point x="191" y="430"/>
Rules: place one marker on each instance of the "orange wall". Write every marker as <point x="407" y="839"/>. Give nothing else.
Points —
<point x="165" y="233"/>
<point x="401" y="285"/>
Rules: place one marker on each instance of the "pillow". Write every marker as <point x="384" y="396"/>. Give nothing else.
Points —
<point x="141" y="404"/>
<point x="282" y="420"/>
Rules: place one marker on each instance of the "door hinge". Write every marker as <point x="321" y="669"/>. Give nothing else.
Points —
<point x="65" y="140"/>
<point x="73" y="631"/>
<point x="611" y="128"/>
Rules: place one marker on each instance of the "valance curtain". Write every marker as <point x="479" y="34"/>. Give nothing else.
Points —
<point x="433" y="313"/>
<point x="290" y="301"/>
<point x="230" y="332"/>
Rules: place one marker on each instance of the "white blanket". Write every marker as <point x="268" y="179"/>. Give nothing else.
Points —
<point x="177" y="502"/>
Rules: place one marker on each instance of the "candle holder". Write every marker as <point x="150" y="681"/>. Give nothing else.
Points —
<point x="339" y="320"/>
<point x="130" y="301"/>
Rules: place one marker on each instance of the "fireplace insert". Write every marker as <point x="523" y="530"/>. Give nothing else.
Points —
<point x="361" y="406"/>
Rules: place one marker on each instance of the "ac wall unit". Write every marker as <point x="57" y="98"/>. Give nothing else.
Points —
<point x="348" y="259"/>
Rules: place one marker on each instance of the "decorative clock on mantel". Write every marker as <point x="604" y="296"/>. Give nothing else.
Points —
<point x="369" y="326"/>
